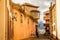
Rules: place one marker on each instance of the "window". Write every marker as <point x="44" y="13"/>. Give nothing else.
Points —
<point x="28" y="21"/>
<point x="21" y="19"/>
<point x="35" y="14"/>
<point x="47" y="14"/>
<point x="14" y="17"/>
<point x="48" y="20"/>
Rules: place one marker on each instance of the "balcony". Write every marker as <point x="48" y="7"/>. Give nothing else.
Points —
<point x="46" y="17"/>
<point x="46" y="14"/>
<point x="35" y="13"/>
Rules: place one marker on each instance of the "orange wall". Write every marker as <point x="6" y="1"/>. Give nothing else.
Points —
<point x="22" y="30"/>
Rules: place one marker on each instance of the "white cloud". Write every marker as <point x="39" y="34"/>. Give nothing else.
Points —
<point x="44" y="4"/>
<point x="47" y="3"/>
<point x="45" y="9"/>
<point x="18" y="1"/>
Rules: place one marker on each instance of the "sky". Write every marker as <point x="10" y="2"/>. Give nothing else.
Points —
<point x="43" y="5"/>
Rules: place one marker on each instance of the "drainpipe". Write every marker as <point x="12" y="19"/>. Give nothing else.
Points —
<point x="10" y="23"/>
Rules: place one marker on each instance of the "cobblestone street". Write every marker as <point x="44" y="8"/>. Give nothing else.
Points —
<point x="41" y="37"/>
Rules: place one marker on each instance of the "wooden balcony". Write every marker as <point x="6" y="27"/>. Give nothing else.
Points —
<point x="36" y="14"/>
<point x="46" y="18"/>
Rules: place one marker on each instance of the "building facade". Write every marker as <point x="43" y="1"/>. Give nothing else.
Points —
<point x="3" y="20"/>
<point x="53" y="25"/>
<point x="15" y="24"/>
<point x="2" y="27"/>
<point x="47" y="21"/>
<point x="24" y="20"/>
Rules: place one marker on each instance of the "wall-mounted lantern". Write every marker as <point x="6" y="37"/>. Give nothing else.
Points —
<point x="14" y="18"/>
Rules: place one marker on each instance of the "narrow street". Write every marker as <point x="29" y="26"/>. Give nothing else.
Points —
<point x="41" y="37"/>
<point x="29" y="20"/>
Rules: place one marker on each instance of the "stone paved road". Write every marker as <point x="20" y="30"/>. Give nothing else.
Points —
<point x="41" y="37"/>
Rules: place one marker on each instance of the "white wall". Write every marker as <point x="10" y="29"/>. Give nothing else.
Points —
<point x="58" y="17"/>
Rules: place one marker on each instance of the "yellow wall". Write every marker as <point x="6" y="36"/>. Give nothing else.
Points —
<point x="54" y="20"/>
<point x="3" y="19"/>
